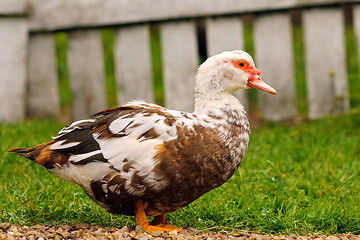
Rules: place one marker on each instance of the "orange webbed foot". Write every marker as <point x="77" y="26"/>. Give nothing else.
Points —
<point x="163" y="228"/>
<point x="159" y="223"/>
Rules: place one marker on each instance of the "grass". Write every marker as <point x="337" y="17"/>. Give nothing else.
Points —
<point x="294" y="180"/>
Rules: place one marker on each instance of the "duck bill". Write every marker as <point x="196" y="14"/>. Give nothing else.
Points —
<point x="260" y="84"/>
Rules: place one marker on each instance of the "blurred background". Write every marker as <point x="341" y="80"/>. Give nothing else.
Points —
<point x="67" y="59"/>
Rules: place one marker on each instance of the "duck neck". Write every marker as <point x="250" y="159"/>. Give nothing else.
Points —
<point x="210" y="96"/>
<point x="215" y="103"/>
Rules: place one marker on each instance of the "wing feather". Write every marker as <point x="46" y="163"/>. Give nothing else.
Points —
<point x="126" y="139"/>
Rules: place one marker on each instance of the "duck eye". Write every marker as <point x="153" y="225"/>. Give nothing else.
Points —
<point x="241" y="64"/>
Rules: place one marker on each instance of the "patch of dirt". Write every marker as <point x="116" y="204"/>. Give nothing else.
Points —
<point x="86" y="231"/>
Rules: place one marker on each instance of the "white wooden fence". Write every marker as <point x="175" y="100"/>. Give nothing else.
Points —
<point x="28" y="77"/>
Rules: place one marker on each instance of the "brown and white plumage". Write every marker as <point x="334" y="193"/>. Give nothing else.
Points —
<point x="144" y="157"/>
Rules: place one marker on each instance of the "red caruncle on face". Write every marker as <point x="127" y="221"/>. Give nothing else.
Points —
<point x="246" y="67"/>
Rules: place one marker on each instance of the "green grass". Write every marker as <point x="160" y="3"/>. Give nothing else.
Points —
<point x="299" y="71"/>
<point x="294" y="180"/>
<point x="156" y="60"/>
<point x="352" y="66"/>
<point x="108" y="42"/>
<point x="61" y="46"/>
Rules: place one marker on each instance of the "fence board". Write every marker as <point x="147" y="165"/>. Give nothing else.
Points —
<point x="64" y="14"/>
<point x="223" y="34"/>
<point x="273" y="54"/>
<point x="13" y="47"/>
<point x="356" y="21"/>
<point x="180" y="60"/>
<point x="325" y="62"/>
<point x="42" y="96"/>
<point x="85" y="61"/>
<point x="133" y="64"/>
<point x="14" y="7"/>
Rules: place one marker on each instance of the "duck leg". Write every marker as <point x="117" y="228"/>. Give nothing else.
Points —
<point x="159" y="223"/>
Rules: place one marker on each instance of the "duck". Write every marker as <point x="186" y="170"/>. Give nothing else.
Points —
<point x="142" y="159"/>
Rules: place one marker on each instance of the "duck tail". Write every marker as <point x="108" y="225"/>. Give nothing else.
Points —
<point x="20" y="151"/>
<point x="32" y="153"/>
